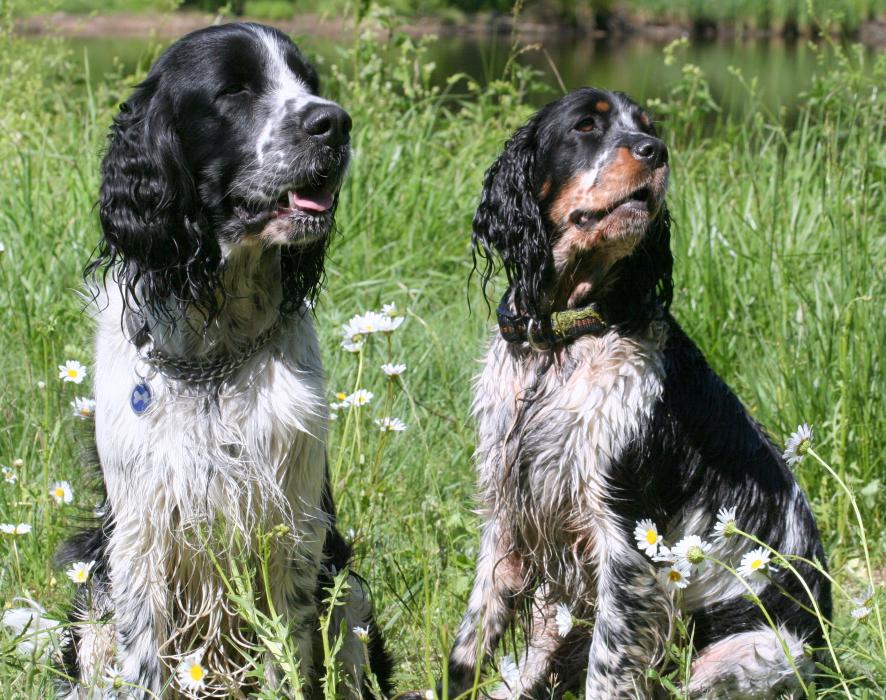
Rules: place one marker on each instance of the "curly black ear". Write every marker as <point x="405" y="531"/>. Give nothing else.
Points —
<point x="156" y="241"/>
<point x="508" y="223"/>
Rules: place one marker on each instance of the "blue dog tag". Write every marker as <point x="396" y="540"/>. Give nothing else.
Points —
<point x="141" y="398"/>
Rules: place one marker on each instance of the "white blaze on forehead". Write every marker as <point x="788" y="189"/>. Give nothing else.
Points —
<point x="286" y="92"/>
<point x="589" y="177"/>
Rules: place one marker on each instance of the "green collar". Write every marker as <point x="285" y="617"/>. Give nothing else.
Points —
<point x="559" y="327"/>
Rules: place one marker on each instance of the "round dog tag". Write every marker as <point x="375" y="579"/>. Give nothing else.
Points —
<point x="141" y="398"/>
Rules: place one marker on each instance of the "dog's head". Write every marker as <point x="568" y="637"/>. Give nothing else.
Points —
<point x="574" y="209"/>
<point x="226" y="143"/>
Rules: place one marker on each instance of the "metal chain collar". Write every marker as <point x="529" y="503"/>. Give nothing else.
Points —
<point x="209" y="370"/>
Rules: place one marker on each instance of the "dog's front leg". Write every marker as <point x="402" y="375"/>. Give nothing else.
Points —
<point x="140" y="595"/>
<point x="498" y="584"/>
<point x="631" y="628"/>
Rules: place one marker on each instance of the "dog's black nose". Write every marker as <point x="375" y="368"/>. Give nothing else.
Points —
<point x="328" y="123"/>
<point x="651" y="151"/>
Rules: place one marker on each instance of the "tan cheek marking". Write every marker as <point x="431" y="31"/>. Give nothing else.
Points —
<point x="644" y="118"/>
<point x="566" y="200"/>
<point x="620" y="177"/>
<point x="602" y="106"/>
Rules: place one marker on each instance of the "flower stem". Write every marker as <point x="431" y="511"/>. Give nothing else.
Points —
<point x="864" y="540"/>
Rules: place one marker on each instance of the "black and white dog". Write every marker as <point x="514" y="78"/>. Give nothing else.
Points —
<point x="218" y="192"/>
<point x="596" y="411"/>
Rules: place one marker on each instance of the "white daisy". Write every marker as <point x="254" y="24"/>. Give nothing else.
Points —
<point x="80" y="571"/>
<point x="84" y="407"/>
<point x="18" y="463"/>
<point x="391" y="323"/>
<point x="861" y="612"/>
<point x="648" y="539"/>
<point x="352" y="346"/>
<point x="798" y="444"/>
<point x="114" y="678"/>
<point x="726" y="525"/>
<point x="191" y="672"/>
<point x="359" y="398"/>
<point x="361" y="633"/>
<point x="72" y="371"/>
<point x="563" y="620"/>
<point x="692" y="549"/>
<point x="9" y="475"/>
<point x="865" y="597"/>
<point x="510" y="672"/>
<point x="754" y="564"/>
<point x="665" y="554"/>
<point x="390" y="309"/>
<point x="61" y="492"/>
<point x="393" y="370"/>
<point x="41" y="385"/>
<point x="675" y="576"/>
<point x="390" y="425"/>
<point x="362" y="325"/>
<point x="2" y="248"/>
<point x="10" y="529"/>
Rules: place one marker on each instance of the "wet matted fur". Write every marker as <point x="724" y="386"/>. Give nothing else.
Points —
<point x="218" y="193"/>
<point x="580" y="439"/>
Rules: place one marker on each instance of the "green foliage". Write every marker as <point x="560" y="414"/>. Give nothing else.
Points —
<point x="780" y="266"/>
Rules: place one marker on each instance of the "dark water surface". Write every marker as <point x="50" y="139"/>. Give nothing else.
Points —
<point x="782" y="69"/>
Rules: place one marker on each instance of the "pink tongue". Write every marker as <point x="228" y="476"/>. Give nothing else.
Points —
<point x="315" y="202"/>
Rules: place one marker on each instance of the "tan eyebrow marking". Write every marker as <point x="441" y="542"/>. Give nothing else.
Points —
<point x="602" y="106"/>
<point x="645" y="119"/>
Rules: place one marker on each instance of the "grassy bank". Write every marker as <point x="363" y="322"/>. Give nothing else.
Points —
<point x="789" y="18"/>
<point x="780" y="271"/>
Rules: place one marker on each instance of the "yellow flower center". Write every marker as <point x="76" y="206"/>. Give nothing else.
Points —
<point x="80" y="576"/>
<point x="72" y="373"/>
<point x="341" y="396"/>
<point x="197" y="672"/>
<point x="675" y="575"/>
<point x="651" y="536"/>
<point x="756" y="564"/>
<point x="59" y="492"/>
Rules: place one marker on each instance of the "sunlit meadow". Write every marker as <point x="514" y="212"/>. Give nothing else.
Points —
<point x="780" y="267"/>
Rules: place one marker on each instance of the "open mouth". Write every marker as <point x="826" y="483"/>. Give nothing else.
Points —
<point x="635" y="204"/>
<point x="302" y="204"/>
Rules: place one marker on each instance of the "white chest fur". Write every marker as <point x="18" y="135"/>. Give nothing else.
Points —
<point x="249" y="453"/>
<point x="550" y="431"/>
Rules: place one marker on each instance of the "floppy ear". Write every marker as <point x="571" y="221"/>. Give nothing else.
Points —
<point x="508" y="223"/>
<point x="154" y="236"/>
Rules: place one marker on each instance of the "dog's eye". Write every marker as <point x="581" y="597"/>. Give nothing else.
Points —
<point x="585" y="125"/>
<point x="234" y="90"/>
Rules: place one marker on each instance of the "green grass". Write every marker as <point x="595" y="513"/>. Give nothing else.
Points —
<point x="780" y="270"/>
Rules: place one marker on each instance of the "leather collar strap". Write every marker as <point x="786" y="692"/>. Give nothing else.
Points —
<point x="559" y="327"/>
